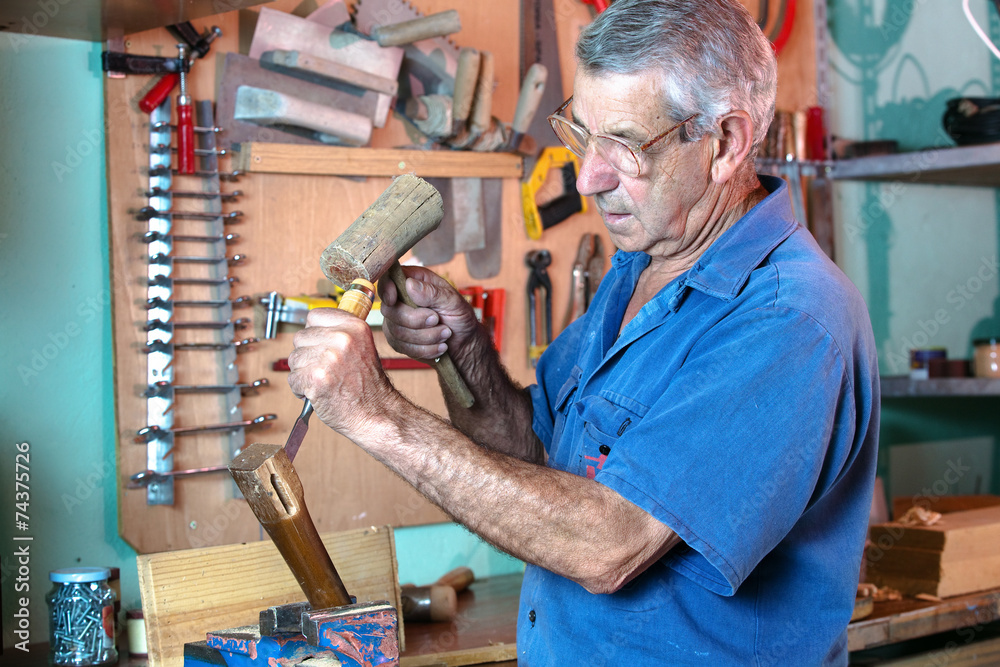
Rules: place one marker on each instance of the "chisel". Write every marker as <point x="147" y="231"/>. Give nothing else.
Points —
<point x="358" y="301"/>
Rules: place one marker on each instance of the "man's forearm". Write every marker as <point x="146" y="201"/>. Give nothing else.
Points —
<point x="528" y="510"/>
<point x="501" y="416"/>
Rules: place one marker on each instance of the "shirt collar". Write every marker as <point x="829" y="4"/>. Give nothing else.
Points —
<point x="724" y="268"/>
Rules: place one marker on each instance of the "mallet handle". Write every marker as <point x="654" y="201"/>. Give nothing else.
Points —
<point x="452" y="379"/>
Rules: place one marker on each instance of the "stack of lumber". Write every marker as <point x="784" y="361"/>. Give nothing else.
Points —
<point x="956" y="555"/>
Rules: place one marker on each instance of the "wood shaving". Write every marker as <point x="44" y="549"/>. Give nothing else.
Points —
<point x="919" y="516"/>
<point x="883" y="594"/>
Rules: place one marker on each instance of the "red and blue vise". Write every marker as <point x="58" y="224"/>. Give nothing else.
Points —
<point x="354" y="635"/>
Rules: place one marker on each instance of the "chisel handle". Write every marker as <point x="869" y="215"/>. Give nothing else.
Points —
<point x="273" y="490"/>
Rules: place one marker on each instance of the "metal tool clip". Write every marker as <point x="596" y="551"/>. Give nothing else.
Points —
<point x="148" y="433"/>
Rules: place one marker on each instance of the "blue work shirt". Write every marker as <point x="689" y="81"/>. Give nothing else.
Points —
<point x="740" y="408"/>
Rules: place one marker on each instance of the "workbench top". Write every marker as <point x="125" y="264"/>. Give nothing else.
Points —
<point x="487" y="613"/>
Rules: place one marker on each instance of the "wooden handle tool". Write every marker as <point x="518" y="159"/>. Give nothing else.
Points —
<point x="425" y="27"/>
<point x="408" y="210"/>
<point x="465" y="88"/>
<point x="274" y="492"/>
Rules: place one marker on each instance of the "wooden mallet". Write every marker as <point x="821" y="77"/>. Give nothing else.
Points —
<point x="406" y="212"/>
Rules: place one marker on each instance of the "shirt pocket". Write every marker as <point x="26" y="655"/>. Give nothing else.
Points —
<point x="606" y="417"/>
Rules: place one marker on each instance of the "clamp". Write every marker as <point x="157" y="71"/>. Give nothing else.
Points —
<point x="539" y="321"/>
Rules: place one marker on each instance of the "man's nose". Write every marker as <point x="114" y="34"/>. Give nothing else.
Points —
<point x="596" y="175"/>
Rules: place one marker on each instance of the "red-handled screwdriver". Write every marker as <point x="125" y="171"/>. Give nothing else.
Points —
<point x="185" y="123"/>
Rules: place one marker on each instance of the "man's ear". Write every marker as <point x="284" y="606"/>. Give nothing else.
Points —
<point x="732" y="146"/>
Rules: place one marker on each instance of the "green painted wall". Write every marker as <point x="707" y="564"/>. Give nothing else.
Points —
<point x="925" y="257"/>
<point x="56" y="392"/>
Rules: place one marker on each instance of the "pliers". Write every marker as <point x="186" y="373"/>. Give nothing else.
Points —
<point x="588" y="269"/>
<point x="539" y="286"/>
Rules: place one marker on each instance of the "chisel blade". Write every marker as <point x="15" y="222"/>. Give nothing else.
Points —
<point x="298" y="431"/>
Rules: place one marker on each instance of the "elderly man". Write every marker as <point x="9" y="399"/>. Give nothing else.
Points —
<point x="689" y="480"/>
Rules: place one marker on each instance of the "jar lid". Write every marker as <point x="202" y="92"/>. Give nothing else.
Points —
<point x="985" y="341"/>
<point x="79" y="574"/>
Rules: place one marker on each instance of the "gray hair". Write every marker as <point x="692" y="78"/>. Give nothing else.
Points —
<point x="713" y="57"/>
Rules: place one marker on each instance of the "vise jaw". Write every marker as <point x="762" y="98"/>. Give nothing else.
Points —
<point x="353" y="635"/>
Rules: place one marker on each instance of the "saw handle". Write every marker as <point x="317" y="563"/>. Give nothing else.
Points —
<point x="450" y="376"/>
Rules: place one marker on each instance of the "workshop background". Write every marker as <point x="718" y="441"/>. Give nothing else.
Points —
<point x="914" y="251"/>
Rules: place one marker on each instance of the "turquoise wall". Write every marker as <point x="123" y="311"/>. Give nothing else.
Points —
<point x="56" y="339"/>
<point x="924" y="256"/>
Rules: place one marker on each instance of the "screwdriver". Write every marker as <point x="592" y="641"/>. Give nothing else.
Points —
<point x="185" y="123"/>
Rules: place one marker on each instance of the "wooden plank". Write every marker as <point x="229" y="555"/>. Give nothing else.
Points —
<point x="900" y="620"/>
<point x="339" y="161"/>
<point x="983" y="653"/>
<point x="958" y="532"/>
<point x="187" y="593"/>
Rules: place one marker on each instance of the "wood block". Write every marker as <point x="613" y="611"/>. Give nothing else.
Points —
<point x="954" y="556"/>
<point x="957" y="532"/>
<point x="944" y="504"/>
<point x="946" y="581"/>
<point x="188" y="593"/>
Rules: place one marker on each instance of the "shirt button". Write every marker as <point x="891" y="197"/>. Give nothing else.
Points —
<point x="531" y="616"/>
<point x="604" y="449"/>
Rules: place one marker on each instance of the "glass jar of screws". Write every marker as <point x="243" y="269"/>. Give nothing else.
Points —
<point x="81" y="617"/>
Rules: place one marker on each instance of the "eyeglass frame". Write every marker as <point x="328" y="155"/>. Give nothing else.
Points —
<point x="635" y="147"/>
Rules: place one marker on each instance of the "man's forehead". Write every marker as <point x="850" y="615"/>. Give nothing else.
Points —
<point x="618" y="99"/>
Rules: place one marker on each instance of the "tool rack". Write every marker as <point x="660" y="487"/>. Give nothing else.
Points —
<point x="160" y="432"/>
<point x="289" y="218"/>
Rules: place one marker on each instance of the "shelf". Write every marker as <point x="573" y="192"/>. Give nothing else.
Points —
<point x="100" y="20"/>
<point x="901" y="386"/>
<point x="339" y="161"/>
<point x="959" y="165"/>
<point x="900" y="620"/>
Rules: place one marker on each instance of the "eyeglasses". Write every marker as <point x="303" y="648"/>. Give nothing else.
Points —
<point x="623" y="155"/>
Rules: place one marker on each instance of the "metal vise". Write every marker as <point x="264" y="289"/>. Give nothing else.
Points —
<point x="354" y="635"/>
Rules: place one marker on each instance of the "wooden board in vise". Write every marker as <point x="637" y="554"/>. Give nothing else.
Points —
<point x="243" y="71"/>
<point x="190" y="592"/>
